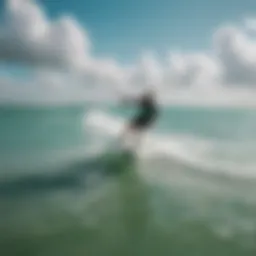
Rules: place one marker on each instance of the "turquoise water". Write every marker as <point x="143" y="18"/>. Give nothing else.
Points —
<point x="66" y="189"/>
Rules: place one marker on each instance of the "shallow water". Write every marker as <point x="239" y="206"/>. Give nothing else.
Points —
<point x="190" y="190"/>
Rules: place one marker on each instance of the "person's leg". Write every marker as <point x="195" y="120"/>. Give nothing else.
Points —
<point x="134" y="132"/>
<point x="138" y="136"/>
<point x="125" y="132"/>
<point x="131" y="136"/>
<point x="128" y="135"/>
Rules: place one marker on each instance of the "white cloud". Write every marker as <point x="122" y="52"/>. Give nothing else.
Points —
<point x="236" y="51"/>
<point x="28" y="36"/>
<point x="49" y="88"/>
<point x="192" y="69"/>
<point x="148" y="71"/>
<point x="63" y="48"/>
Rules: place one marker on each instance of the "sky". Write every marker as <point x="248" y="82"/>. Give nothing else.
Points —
<point x="149" y="24"/>
<point x="191" y="52"/>
<point x="125" y="28"/>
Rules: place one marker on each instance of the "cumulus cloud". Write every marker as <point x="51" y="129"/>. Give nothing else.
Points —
<point x="192" y="69"/>
<point x="61" y="51"/>
<point x="28" y="36"/>
<point x="236" y="51"/>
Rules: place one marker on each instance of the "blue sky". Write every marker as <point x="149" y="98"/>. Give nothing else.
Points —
<point x="124" y="28"/>
<point x="205" y="47"/>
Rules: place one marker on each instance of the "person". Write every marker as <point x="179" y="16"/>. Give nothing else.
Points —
<point x="147" y="113"/>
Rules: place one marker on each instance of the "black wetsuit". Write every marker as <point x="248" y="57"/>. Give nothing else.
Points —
<point x="147" y="113"/>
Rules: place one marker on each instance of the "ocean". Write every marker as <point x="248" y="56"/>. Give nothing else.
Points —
<point x="65" y="188"/>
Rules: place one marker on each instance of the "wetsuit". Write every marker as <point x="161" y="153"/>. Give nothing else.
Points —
<point x="147" y="113"/>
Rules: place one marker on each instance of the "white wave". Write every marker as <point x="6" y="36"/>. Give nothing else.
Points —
<point x="193" y="152"/>
<point x="103" y="122"/>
